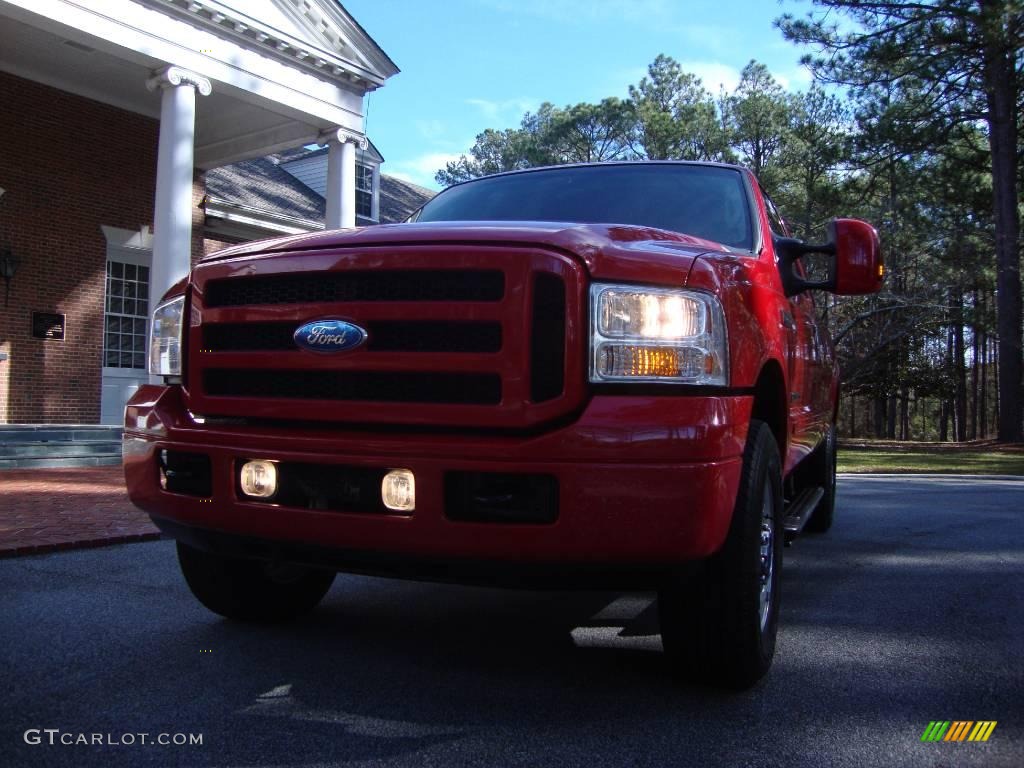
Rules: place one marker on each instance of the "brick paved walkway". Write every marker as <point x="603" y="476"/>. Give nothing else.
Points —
<point x="42" y="510"/>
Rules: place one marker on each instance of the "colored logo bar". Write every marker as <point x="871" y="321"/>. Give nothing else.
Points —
<point x="959" y="730"/>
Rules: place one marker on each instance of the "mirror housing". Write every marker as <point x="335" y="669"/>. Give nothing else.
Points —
<point x="856" y="265"/>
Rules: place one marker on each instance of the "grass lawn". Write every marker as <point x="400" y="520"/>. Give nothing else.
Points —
<point x="962" y="459"/>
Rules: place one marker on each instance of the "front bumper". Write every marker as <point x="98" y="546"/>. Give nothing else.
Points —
<point x="641" y="480"/>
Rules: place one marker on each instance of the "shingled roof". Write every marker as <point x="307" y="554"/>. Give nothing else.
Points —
<point x="399" y="198"/>
<point x="261" y="184"/>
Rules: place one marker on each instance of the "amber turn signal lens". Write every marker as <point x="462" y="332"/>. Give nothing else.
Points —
<point x="632" y="360"/>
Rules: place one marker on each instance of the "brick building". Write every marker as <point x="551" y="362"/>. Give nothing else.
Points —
<point x="113" y="115"/>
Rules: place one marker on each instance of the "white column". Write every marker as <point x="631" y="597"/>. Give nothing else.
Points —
<point x="172" y="219"/>
<point x="348" y="187"/>
<point x="375" y="194"/>
<point x="341" y="176"/>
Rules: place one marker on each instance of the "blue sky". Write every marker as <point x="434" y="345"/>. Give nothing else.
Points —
<point x="468" y="65"/>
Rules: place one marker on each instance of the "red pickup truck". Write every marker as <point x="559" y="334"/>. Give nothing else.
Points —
<point x="606" y="375"/>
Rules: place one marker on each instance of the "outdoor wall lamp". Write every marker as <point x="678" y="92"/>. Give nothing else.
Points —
<point x="8" y="266"/>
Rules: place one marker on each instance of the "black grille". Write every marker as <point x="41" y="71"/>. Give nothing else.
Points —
<point x="547" y="338"/>
<point x="248" y="337"/>
<point x="384" y="285"/>
<point x="434" y="337"/>
<point x="499" y="497"/>
<point x="187" y="473"/>
<point x="390" y="336"/>
<point x="456" y="388"/>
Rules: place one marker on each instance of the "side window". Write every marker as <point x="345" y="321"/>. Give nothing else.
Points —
<point x="364" y="191"/>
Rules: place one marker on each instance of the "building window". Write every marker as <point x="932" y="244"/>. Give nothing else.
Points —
<point x="124" y="338"/>
<point x="364" y="191"/>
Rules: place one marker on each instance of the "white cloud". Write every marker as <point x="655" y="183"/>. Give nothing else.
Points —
<point x="713" y="74"/>
<point x="798" y="79"/>
<point x="430" y="129"/>
<point x="400" y="175"/>
<point x="573" y="11"/>
<point x="618" y="83"/>
<point x="654" y="15"/>
<point x="421" y="169"/>
<point x="506" y="110"/>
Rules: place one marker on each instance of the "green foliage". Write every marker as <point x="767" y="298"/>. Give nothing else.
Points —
<point x="757" y="117"/>
<point x="818" y="146"/>
<point x="937" y="86"/>
<point x="591" y="133"/>
<point x="584" y="133"/>
<point x="494" y="152"/>
<point x="676" y="117"/>
<point x="908" y="146"/>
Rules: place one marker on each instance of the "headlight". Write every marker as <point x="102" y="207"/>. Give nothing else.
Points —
<point x="656" y="334"/>
<point x="165" y="338"/>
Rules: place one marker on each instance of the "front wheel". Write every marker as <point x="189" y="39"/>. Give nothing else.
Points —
<point x="252" y="590"/>
<point x="719" y="618"/>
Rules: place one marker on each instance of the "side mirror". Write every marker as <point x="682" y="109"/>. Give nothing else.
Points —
<point x="858" y="267"/>
<point x="856" y="264"/>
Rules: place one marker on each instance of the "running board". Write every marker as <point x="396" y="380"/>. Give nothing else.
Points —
<point x="798" y="511"/>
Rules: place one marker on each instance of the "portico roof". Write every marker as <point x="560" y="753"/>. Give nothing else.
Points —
<point x="282" y="71"/>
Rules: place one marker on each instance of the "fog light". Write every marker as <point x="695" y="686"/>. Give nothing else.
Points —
<point x="398" y="490"/>
<point x="259" y="479"/>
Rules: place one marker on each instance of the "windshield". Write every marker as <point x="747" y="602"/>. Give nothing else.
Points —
<point x="701" y="200"/>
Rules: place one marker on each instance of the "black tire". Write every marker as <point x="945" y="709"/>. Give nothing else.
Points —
<point x="252" y="590"/>
<point x="822" y="473"/>
<point x="714" y="626"/>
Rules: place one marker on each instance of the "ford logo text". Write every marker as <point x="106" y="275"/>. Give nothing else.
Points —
<point x="329" y="336"/>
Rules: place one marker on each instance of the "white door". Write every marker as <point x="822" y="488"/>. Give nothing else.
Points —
<point x="125" y="321"/>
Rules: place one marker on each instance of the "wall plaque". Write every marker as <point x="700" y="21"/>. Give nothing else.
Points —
<point x="48" y="326"/>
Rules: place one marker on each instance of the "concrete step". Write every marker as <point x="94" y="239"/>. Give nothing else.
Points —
<point x="61" y="463"/>
<point x="25" y="433"/>
<point x="26" y="446"/>
<point x="11" y="450"/>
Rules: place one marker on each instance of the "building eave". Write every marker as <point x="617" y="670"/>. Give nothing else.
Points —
<point x="278" y="45"/>
<point x="244" y="215"/>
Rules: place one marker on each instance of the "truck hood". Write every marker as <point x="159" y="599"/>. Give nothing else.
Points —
<point x="609" y="251"/>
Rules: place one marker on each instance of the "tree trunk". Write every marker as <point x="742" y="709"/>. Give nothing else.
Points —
<point x="960" y="372"/>
<point x="986" y="361"/>
<point x="905" y="413"/>
<point x="998" y="405"/>
<point x="999" y="73"/>
<point x="972" y="432"/>
<point x="983" y="396"/>
<point x="880" y="416"/>
<point x="948" y="409"/>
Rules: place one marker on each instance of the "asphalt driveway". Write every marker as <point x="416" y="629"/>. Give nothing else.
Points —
<point x="909" y="611"/>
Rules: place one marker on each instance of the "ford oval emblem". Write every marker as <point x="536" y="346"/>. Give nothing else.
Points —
<point x="329" y="336"/>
